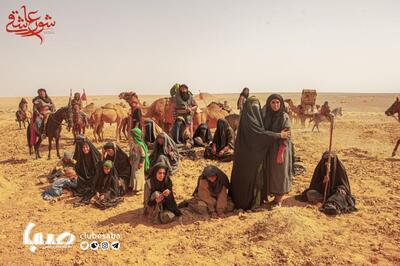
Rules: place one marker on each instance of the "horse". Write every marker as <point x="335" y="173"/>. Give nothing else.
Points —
<point x="52" y="130"/>
<point x="391" y="111"/>
<point x="318" y="118"/>
<point x="22" y="117"/>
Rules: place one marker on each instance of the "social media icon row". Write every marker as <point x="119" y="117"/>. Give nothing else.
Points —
<point x="105" y="245"/>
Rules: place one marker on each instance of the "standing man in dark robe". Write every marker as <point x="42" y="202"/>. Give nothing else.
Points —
<point x="251" y="146"/>
<point x="120" y="161"/>
<point x="185" y="106"/>
<point x="242" y="98"/>
<point x="42" y="107"/>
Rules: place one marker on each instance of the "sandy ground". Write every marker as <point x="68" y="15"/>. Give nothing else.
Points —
<point x="297" y="233"/>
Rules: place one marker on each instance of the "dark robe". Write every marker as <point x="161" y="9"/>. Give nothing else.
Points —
<point x="178" y="130"/>
<point x="251" y="145"/>
<point x="108" y="185"/>
<point x="204" y="133"/>
<point x="120" y="162"/>
<point x="223" y="136"/>
<point x="216" y="187"/>
<point x="338" y="195"/>
<point x="137" y="118"/>
<point x="160" y="153"/>
<point x="86" y="167"/>
<point x="169" y="202"/>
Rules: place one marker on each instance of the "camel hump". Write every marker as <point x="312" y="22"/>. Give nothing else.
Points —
<point x="109" y="106"/>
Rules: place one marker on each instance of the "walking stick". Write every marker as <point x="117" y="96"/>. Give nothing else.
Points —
<point x="328" y="163"/>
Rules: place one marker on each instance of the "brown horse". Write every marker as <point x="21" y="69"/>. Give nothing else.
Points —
<point x="318" y="118"/>
<point x="52" y="130"/>
<point x="23" y="115"/>
<point x="391" y="111"/>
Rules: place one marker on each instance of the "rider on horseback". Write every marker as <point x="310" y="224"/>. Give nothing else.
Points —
<point x="42" y="107"/>
<point x="76" y="104"/>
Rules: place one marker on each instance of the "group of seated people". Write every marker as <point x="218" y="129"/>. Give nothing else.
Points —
<point x="103" y="178"/>
<point x="218" y="147"/>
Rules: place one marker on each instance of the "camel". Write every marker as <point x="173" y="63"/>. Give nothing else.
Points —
<point x="298" y="111"/>
<point x="109" y="113"/>
<point x="162" y="112"/>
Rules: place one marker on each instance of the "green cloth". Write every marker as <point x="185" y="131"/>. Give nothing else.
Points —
<point x="108" y="164"/>
<point x="136" y="134"/>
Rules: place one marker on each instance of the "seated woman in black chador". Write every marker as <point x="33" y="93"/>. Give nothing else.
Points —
<point x="159" y="201"/>
<point x="338" y="193"/>
<point x="222" y="145"/>
<point x="108" y="187"/>
<point x="202" y="136"/>
<point x="165" y="151"/>
<point x="120" y="162"/>
<point x="87" y="160"/>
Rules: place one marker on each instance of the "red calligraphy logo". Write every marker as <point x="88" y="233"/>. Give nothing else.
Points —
<point x="29" y="23"/>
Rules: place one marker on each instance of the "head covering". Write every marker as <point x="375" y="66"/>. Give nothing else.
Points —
<point x="204" y="133"/>
<point x="220" y="135"/>
<point x="216" y="186"/>
<point x="86" y="164"/>
<point x="252" y="143"/>
<point x="157" y="185"/>
<point x="68" y="155"/>
<point x="108" y="164"/>
<point x="159" y="150"/>
<point x="136" y="134"/>
<point x="120" y="161"/>
<point x="272" y="117"/>
<point x="41" y="89"/>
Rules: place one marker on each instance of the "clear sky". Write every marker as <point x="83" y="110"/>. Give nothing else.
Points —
<point x="213" y="46"/>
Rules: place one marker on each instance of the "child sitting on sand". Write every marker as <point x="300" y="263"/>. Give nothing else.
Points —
<point x="69" y="180"/>
<point x="66" y="161"/>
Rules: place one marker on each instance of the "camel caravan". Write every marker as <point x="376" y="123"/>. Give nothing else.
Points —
<point x="159" y="116"/>
<point x="307" y="109"/>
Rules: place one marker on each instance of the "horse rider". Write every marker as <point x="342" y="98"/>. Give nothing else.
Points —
<point x="325" y="109"/>
<point x="42" y="107"/>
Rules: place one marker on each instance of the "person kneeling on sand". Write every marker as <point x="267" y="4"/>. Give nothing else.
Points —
<point x="159" y="202"/>
<point x="211" y="194"/>
<point x="223" y="143"/>
<point x="68" y="180"/>
<point x="108" y="187"/>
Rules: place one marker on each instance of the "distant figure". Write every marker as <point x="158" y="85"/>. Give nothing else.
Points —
<point x="242" y="98"/>
<point x="226" y="107"/>
<point x="185" y="106"/>
<point x="77" y="100"/>
<point x="136" y="115"/>
<point x="325" y="109"/>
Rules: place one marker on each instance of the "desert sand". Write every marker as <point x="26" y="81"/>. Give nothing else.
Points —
<point x="296" y="234"/>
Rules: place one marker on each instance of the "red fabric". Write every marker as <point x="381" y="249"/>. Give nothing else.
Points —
<point x="32" y="139"/>
<point x="83" y="96"/>
<point x="281" y="151"/>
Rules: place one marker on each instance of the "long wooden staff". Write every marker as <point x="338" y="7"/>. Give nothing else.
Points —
<point x="328" y="163"/>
